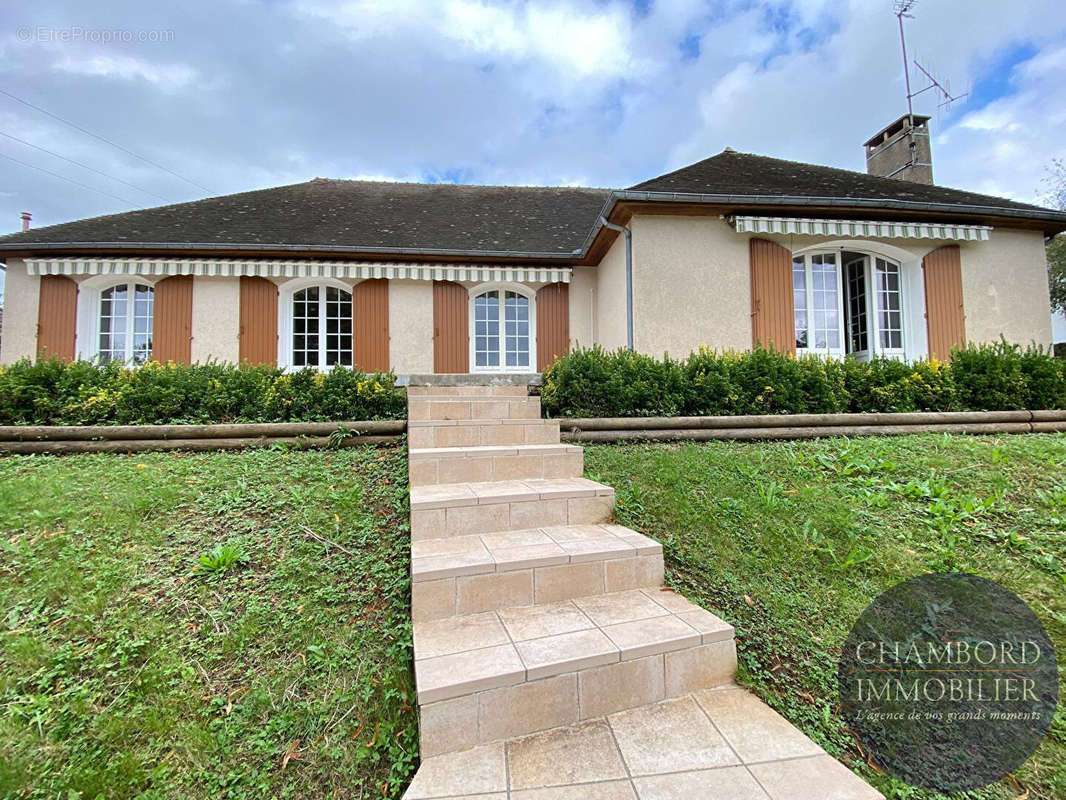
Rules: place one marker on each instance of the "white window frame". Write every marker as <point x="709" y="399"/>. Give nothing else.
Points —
<point x="518" y="288"/>
<point x="286" y="291"/>
<point x="832" y="352"/>
<point x="912" y="292"/>
<point x="87" y="326"/>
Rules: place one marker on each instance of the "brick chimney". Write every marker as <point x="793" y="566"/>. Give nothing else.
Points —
<point x="26" y="217"/>
<point x="902" y="150"/>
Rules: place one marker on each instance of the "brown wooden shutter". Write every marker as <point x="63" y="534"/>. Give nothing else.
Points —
<point x="773" y="320"/>
<point x="553" y="323"/>
<point x="172" y="320"/>
<point x="56" y="317"/>
<point x="259" y="321"/>
<point x="370" y="325"/>
<point x="944" y="316"/>
<point x="451" y="328"/>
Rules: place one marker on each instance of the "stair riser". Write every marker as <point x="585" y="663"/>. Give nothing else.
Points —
<point x="438" y="523"/>
<point x="474" y="408"/>
<point x="504" y="712"/>
<point x="445" y="469"/>
<point x="472" y="594"/>
<point x="480" y="435"/>
<point x="469" y="391"/>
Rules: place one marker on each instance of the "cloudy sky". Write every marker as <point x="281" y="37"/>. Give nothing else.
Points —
<point x="208" y="97"/>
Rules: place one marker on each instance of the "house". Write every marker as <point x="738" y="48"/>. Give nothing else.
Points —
<point x="723" y="253"/>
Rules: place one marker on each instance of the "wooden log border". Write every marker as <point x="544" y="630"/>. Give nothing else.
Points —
<point x="808" y="426"/>
<point x="28" y="439"/>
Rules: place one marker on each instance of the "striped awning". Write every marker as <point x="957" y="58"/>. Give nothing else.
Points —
<point x="270" y="268"/>
<point x="867" y="229"/>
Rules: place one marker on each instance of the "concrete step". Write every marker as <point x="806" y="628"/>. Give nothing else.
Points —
<point x="460" y="509"/>
<point x="502" y="390"/>
<point x="445" y="407"/>
<point x="422" y="433"/>
<point x="490" y="676"/>
<point x="714" y="744"/>
<point x="428" y="466"/>
<point x="469" y="574"/>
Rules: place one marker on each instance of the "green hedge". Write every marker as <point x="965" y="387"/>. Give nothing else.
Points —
<point x="990" y="377"/>
<point x="51" y="392"/>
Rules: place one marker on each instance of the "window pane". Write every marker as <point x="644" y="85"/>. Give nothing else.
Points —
<point x="487" y="329"/>
<point x="824" y="281"/>
<point x="889" y="304"/>
<point x="516" y="313"/>
<point x="305" y="309"/>
<point x="338" y="348"/>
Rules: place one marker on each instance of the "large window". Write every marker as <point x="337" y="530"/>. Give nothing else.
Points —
<point x="321" y="327"/>
<point x="502" y="333"/>
<point x="124" y="323"/>
<point x="848" y="302"/>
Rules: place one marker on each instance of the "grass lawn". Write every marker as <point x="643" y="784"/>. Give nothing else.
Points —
<point x="791" y="541"/>
<point x="281" y="669"/>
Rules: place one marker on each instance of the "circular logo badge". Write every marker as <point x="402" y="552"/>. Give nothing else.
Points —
<point x="948" y="681"/>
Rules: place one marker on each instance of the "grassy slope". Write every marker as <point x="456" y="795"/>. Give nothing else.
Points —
<point x="791" y="541"/>
<point x="126" y="671"/>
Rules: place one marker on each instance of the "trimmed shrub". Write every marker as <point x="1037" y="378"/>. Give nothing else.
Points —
<point x="597" y="383"/>
<point x="52" y="392"/>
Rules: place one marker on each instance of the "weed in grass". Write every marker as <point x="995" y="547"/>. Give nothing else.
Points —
<point x="223" y="558"/>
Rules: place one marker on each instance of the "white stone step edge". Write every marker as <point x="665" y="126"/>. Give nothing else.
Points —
<point x="437" y="465"/>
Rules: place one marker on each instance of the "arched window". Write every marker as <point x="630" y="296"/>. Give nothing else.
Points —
<point x="502" y="337"/>
<point x="321" y="327"/>
<point x="124" y="323"/>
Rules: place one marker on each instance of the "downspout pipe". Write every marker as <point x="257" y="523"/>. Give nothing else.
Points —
<point x="625" y="231"/>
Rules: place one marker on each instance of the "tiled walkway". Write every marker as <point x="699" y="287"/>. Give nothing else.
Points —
<point x="550" y="661"/>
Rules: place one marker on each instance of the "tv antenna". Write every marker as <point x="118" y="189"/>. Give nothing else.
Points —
<point x="902" y="8"/>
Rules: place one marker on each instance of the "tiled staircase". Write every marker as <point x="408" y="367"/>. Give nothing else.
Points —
<point x="531" y="610"/>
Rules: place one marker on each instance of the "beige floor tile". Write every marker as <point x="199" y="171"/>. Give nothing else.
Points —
<point x="616" y="687"/>
<point x="612" y="609"/>
<point x="501" y="491"/>
<point x="711" y="628"/>
<point x="756" y="731"/>
<point x="562" y="487"/>
<point x="645" y="637"/>
<point x="444" y="677"/>
<point x="589" y="510"/>
<point x="453" y="635"/>
<point x="442" y="495"/>
<point x="599" y="550"/>
<point x="452" y="545"/>
<point x="527" y="707"/>
<point x="566" y="652"/>
<point x="428" y="524"/>
<point x="474" y="771"/>
<point x="578" y="533"/>
<point x="532" y="622"/>
<point x="538" y="513"/>
<point x="529" y="556"/>
<point x="464" y="470"/>
<point x="432" y="599"/>
<point x="466" y="520"/>
<point x="606" y="790"/>
<point x="696" y="668"/>
<point x="448" y="725"/>
<point x="553" y="584"/>
<point x="451" y="566"/>
<point x="670" y="600"/>
<point x="671" y="736"/>
<point x="725" y="783"/>
<point x="475" y="593"/>
<point x="639" y="572"/>
<point x="523" y="538"/>
<point x="821" y="776"/>
<point x="581" y="753"/>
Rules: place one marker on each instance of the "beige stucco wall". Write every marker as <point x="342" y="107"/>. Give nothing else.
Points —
<point x="21" y="293"/>
<point x="216" y="319"/>
<point x="583" y="307"/>
<point x="690" y="285"/>
<point x="411" y="327"/>
<point x="611" y="297"/>
<point x="1005" y="288"/>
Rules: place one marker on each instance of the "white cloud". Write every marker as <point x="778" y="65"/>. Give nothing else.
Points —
<point x="168" y="77"/>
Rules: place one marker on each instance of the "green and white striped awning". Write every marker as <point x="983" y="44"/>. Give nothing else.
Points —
<point x="866" y="229"/>
<point x="264" y="268"/>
